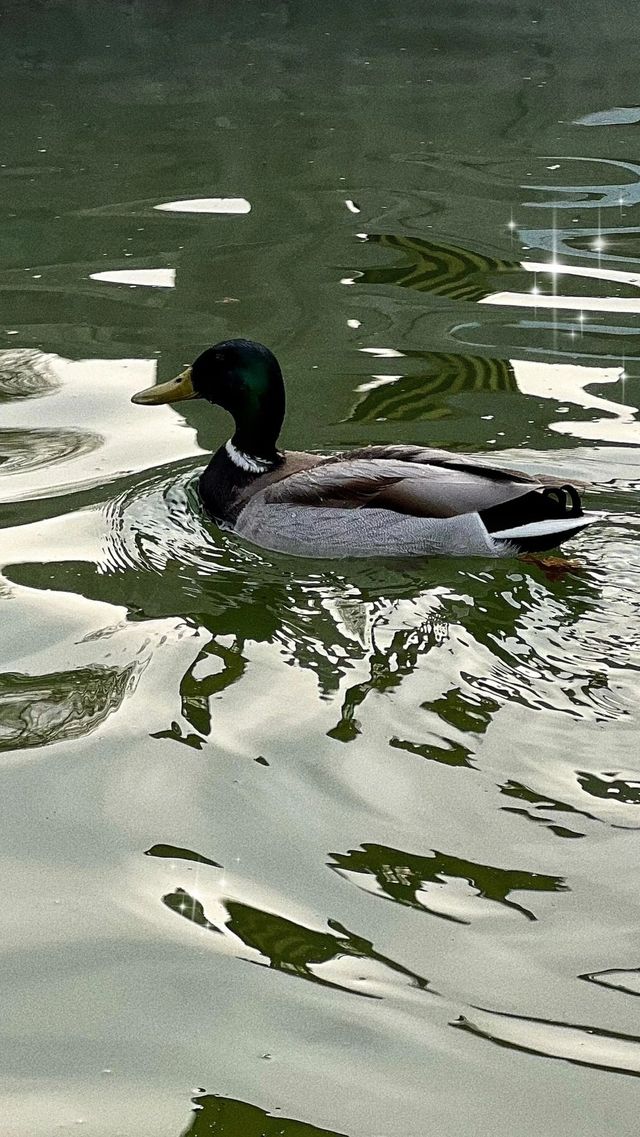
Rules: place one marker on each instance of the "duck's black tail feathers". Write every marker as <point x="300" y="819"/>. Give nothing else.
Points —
<point x="539" y="520"/>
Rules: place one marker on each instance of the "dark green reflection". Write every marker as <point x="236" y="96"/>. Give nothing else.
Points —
<point x="441" y="269"/>
<point x="389" y="665"/>
<point x="163" y="562"/>
<point x="425" y="396"/>
<point x="611" y="787"/>
<point x="175" y="853"/>
<point x="185" y="905"/>
<point x="468" y="711"/>
<point x="461" y="710"/>
<point x="455" y="272"/>
<point x="542" y="802"/>
<point x="36" y="710"/>
<point x="448" y="753"/>
<point x="621" y="243"/>
<point x="216" y="1115"/>
<point x="402" y="875"/>
<point x="195" y="694"/>
<point x="290" y="947"/>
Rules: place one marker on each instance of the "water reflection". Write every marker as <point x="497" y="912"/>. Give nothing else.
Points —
<point x="463" y="691"/>
<point x="557" y="301"/>
<point x="611" y="786"/>
<point x="85" y="457"/>
<point x="363" y="630"/>
<point x="293" y="949"/>
<point x="616" y="116"/>
<point x="446" y="751"/>
<point x="27" y="450"/>
<point x="175" y="853"/>
<point x="38" y="710"/>
<point x="583" y="1045"/>
<point x="428" y="395"/>
<point x="25" y="374"/>
<point x="597" y="195"/>
<point x="219" y="665"/>
<point x="139" y="277"/>
<point x="393" y="655"/>
<point x="459" y="274"/>
<point x="448" y="384"/>
<point x="433" y="883"/>
<point x="215" y="1115"/>
<point x="574" y="384"/>
<point x="617" y="979"/>
<point x="542" y="804"/>
<point x="206" y="205"/>
<point x="451" y="271"/>
<point x="185" y="905"/>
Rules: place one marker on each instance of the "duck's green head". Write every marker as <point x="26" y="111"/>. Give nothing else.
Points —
<point x="243" y="377"/>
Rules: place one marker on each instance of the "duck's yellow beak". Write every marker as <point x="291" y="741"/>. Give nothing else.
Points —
<point x="172" y="392"/>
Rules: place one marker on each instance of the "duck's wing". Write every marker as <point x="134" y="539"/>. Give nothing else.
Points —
<point x="434" y="485"/>
<point x="430" y="456"/>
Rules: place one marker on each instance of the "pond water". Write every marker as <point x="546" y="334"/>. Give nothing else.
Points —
<point x="407" y="793"/>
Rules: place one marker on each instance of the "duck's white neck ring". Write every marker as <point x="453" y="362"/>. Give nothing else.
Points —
<point x="247" y="462"/>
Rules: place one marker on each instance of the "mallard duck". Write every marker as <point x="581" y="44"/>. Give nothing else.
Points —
<point x="396" y="500"/>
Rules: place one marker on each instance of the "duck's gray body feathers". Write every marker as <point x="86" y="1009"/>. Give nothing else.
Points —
<point x="325" y="531"/>
<point x="384" y="500"/>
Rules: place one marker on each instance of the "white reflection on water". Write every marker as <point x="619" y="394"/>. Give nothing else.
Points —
<point x="145" y="277"/>
<point x="616" y="116"/>
<point x="377" y="381"/>
<point x="629" y="305"/>
<point x="558" y="241"/>
<point x="593" y="196"/>
<point x="382" y="352"/>
<point x="557" y="269"/>
<point x="95" y="393"/>
<point x="206" y="205"/>
<point x="567" y="382"/>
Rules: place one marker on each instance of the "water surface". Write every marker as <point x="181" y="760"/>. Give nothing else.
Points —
<point x="405" y="793"/>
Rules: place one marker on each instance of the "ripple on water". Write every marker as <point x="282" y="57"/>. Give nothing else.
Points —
<point x="428" y="678"/>
<point x="210" y="720"/>
<point x="38" y="710"/>
<point x="26" y="374"/>
<point x="102" y="449"/>
<point x="337" y="958"/>
<point x="23" y="451"/>
<point x="583" y="1045"/>
<point x="545" y="641"/>
<point x="617" y="979"/>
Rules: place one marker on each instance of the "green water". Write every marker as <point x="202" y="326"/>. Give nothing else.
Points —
<point x="406" y="793"/>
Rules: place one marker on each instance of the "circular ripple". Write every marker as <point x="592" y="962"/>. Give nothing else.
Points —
<point x="22" y="450"/>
